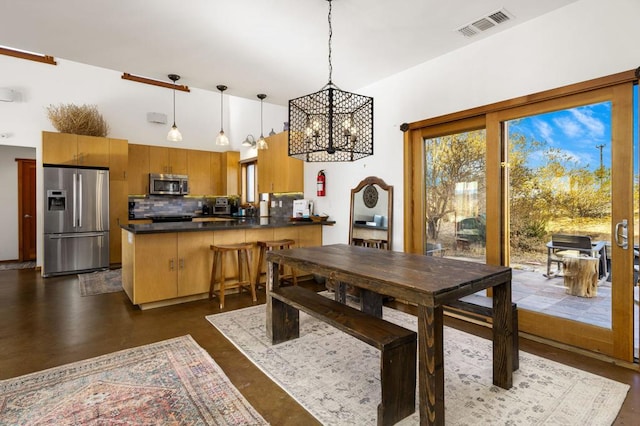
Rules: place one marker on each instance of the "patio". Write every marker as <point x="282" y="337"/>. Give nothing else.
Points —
<point x="531" y="290"/>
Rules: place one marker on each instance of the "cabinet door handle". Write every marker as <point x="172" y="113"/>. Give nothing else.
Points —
<point x="181" y="263"/>
<point x="171" y="266"/>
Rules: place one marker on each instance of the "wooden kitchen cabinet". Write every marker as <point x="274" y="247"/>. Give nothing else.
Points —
<point x="118" y="214"/>
<point x="168" y="265"/>
<point x="118" y="195"/>
<point x="75" y="150"/>
<point x="194" y="262"/>
<point x="138" y="169"/>
<point x="199" y="172"/>
<point x="118" y="159"/>
<point x="230" y="172"/>
<point x="277" y="172"/>
<point x="155" y="263"/>
<point x="167" y="160"/>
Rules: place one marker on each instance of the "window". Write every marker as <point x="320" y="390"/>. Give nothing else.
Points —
<point x="249" y="170"/>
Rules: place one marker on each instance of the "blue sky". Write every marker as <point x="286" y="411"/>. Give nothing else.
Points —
<point x="576" y="132"/>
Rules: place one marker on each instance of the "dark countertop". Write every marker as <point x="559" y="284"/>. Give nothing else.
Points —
<point x="236" y="223"/>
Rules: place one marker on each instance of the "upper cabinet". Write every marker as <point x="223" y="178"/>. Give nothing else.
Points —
<point x="138" y="169"/>
<point x="277" y="172"/>
<point x="230" y="173"/>
<point x="118" y="159"/>
<point x="199" y="172"/>
<point x="75" y="150"/>
<point x="210" y="173"/>
<point x="167" y="160"/>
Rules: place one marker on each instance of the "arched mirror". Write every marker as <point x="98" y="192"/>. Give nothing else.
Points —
<point x="371" y="214"/>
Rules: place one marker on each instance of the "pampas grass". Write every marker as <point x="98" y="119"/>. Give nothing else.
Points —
<point x="78" y="120"/>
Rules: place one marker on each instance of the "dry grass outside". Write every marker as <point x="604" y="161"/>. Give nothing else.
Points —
<point x="78" y="120"/>
<point x="599" y="229"/>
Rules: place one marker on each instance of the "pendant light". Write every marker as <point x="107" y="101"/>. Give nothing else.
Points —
<point x="222" y="139"/>
<point x="174" y="134"/>
<point x="261" y="144"/>
<point x="331" y="125"/>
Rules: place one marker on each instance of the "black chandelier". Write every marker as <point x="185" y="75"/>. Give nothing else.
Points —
<point x="331" y="124"/>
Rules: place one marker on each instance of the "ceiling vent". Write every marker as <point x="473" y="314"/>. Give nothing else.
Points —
<point x="486" y="22"/>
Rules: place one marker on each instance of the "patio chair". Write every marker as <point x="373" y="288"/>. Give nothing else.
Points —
<point x="563" y="246"/>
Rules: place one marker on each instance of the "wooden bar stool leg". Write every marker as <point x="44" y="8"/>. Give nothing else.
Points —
<point x="252" y="286"/>
<point x="222" y="280"/>
<point x="259" y="267"/>
<point x="212" y="281"/>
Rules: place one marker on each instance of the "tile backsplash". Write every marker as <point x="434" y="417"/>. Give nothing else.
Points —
<point x="169" y="204"/>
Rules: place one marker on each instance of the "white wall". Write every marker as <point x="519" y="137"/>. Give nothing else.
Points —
<point x="9" y="198"/>
<point x="579" y="42"/>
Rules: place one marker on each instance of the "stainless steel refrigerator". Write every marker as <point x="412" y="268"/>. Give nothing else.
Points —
<point x="76" y="220"/>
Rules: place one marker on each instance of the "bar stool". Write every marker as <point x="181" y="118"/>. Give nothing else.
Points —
<point x="274" y="245"/>
<point x="240" y="280"/>
<point x="372" y="243"/>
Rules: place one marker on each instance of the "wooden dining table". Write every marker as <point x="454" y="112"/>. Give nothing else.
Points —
<point x="429" y="282"/>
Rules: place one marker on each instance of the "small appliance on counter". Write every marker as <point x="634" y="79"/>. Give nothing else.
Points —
<point x="221" y="206"/>
<point x="206" y="209"/>
<point x="302" y="208"/>
<point x="264" y="208"/>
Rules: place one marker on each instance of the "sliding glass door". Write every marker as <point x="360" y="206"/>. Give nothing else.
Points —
<point x="567" y="184"/>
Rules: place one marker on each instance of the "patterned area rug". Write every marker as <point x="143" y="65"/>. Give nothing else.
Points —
<point x="100" y="282"/>
<point x="170" y="382"/>
<point x="336" y="377"/>
<point x="17" y="265"/>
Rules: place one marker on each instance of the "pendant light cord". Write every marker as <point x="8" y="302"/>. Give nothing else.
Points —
<point x="261" y="125"/>
<point x="174" y="104"/>
<point x="221" y="126"/>
<point x="330" y="36"/>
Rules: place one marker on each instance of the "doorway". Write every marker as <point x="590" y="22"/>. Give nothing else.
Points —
<point x="26" y="209"/>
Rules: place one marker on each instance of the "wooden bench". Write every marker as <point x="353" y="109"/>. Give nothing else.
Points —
<point x="397" y="344"/>
<point x="483" y="308"/>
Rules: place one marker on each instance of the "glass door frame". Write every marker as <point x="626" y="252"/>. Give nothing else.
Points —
<point x="616" y="342"/>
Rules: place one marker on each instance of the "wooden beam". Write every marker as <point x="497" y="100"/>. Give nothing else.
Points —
<point x="45" y="59"/>
<point x="138" y="79"/>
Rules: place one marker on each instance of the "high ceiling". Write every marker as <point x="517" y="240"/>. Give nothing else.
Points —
<point x="277" y="47"/>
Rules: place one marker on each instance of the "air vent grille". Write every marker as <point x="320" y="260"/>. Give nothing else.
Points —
<point x="484" y="23"/>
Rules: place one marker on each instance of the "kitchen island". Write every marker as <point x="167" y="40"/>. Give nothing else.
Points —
<point x="168" y="263"/>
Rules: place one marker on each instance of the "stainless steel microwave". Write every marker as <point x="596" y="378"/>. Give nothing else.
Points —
<point x="163" y="184"/>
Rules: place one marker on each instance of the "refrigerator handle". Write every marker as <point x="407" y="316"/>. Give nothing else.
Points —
<point x="80" y="201"/>
<point x="73" y="204"/>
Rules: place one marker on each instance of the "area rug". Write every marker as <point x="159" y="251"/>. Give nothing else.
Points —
<point x="17" y="265"/>
<point x="336" y="377"/>
<point x="100" y="282"/>
<point x="170" y="382"/>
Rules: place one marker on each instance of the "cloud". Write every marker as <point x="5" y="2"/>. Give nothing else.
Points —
<point x="544" y="129"/>
<point x="595" y="127"/>
<point x="568" y="126"/>
<point x="581" y="122"/>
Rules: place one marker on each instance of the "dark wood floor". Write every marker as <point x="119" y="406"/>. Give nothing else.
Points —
<point x="46" y="323"/>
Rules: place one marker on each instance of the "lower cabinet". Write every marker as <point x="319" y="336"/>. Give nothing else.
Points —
<point x="167" y="265"/>
<point x="160" y="267"/>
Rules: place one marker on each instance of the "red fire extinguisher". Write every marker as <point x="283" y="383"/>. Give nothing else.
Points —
<point x="321" y="182"/>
